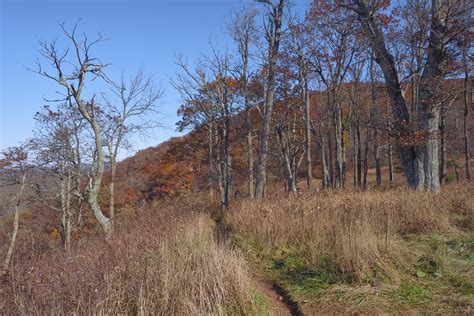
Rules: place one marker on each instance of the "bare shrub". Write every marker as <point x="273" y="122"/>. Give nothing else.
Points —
<point x="164" y="262"/>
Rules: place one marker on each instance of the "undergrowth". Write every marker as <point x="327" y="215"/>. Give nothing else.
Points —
<point x="371" y="251"/>
<point x="163" y="262"/>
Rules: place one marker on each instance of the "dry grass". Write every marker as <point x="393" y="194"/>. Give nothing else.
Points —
<point x="358" y="233"/>
<point x="165" y="263"/>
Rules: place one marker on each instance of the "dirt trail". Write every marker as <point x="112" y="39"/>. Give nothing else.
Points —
<point x="279" y="302"/>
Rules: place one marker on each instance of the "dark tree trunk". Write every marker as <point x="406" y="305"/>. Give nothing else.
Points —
<point x="375" y="125"/>
<point x="467" y="102"/>
<point x="442" y="131"/>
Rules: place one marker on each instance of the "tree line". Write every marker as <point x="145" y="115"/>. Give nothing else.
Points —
<point x="305" y="77"/>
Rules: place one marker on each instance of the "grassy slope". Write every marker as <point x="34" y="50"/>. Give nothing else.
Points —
<point x="442" y="279"/>
<point x="434" y="271"/>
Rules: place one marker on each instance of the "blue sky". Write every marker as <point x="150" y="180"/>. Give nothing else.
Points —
<point x="143" y="33"/>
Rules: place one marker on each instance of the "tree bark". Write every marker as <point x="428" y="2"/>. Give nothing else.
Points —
<point x="390" y="164"/>
<point x="248" y="123"/>
<point x="359" y="153"/>
<point x="290" y="170"/>
<point x="429" y="108"/>
<point x="16" y="219"/>
<point x="330" y="158"/>
<point x="401" y="115"/>
<point x="307" y="114"/>
<point x="467" y="102"/>
<point x="211" y="167"/>
<point x="442" y="131"/>
<point x="374" y="125"/>
<point x="366" y="153"/>
<point x="95" y="180"/>
<point x="274" y="43"/>
<point x="340" y="164"/>
<point x="65" y="192"/>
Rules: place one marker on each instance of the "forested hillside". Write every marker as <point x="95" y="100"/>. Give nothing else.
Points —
<point x="325" y="168"/>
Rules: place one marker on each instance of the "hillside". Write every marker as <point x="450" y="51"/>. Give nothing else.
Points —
<point x="325" y="167"/>
<point x="182" y="164"/>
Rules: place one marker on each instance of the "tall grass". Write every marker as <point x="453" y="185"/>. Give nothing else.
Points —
<point x="164" y="262"/>
<point x="358" y="233"/>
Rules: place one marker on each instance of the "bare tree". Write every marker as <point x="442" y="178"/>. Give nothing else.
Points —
<point x="58" y="147"/>
<point x="126" y="114"/>
<point x="374" y="114"/>
<point x="14" y="162"/>
<point x="299" y="45"/>
<point x="244" y="33"/>
<point x="208" y="93"/>
<point x="273" y="32"/>
<point x="73" y="75"/>
<point x="355" y="90"/>
<point x="334" y="49"/>
<point x="420" y="157"/>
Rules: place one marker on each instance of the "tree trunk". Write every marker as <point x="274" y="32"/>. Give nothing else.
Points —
<point x="95" y="180"/>
<point x="366" y="154"/>
<point x="322" y="149"/>
<point x="359" y="153"/>
<point x="211" y="167"/>
<point x="390" y="163"/>
<point x="251" y="190"/>
<point x="442" y="131"/>
<point x="274" y="43"/>
<point x="429" y="108"/>
<point x="401" y="115"/>
<point x="339" y="145"/>
<point x="113" y="171"/>
<point x="307" y="114"/>
<point x="65" y="193"/>
<point x="248" y="121"/>
<point x="290" y="174"/>
<point x="226" y="161"/>
<point x="354" y="153"/>
<point x="330" y="158"/>
<point x="375" y="125"/>
<point x="94" y="190"/>
<point x="467" y="101"/>
<point x="16" y="219"/>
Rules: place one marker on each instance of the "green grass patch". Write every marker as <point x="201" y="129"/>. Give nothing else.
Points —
<point x="440" y="279"/>
<point x="260" y="302"/>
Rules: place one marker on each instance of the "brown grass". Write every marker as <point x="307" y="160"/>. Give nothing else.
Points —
<point x="163" y="262"/>
<point x="357" y="232"/>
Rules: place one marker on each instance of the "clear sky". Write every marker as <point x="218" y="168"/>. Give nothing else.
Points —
<point x="143" y="33"/>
